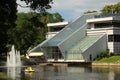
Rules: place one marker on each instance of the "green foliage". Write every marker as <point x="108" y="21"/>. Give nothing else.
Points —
<point x="3" y="76"/>
<point x="31" y="29"/>
<point x="115" y="8"/>
<point x="7" y="22"/>
<point x="39" y="5"/>
<point x="89" y="12"/>
<point x="27" y="31"/>
<point x="103" y="55"/>
<point x="2" y="58"/>
<point x="111" y="59"/>
<point x="8" y="10"/>
<point x="50" y="18"/>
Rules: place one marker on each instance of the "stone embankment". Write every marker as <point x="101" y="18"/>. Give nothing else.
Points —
<point x="106" y="64"/>
<point x="53" y="64"/>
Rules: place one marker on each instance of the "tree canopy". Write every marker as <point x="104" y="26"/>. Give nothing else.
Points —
<point x="115" y="8"/>
<point x="7" y="22"/>
<point x="8" y="10"/>
<point x="31" y="29"/>
<point x="39" y="5"/>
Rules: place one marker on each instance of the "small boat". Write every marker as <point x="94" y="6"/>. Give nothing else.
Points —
<point x="29" y="69"/>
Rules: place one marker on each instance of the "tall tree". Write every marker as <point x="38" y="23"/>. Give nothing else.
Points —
<point x="8" y="10"/>
<point x="7" y="22"/>
<point x="115" y="8"/>
<point x="31" y="29"/>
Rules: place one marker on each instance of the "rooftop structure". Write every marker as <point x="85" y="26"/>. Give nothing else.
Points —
<point x="83" y="39"/>
<point x="54" y="28"/>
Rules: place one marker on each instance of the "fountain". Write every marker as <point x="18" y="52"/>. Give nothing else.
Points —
<point x="13" y="58"/>
<point x="13" y="64"/>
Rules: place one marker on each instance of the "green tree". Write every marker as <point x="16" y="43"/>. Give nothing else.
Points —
<point x="31" y="29"/>
<point x="7" y="22"/>
<point x="27" y="30"/>
<point x="50" y="18"/>
<point x="39" y="5"/>
<point x="8" y="10"/>
<point x="115" y="8"/>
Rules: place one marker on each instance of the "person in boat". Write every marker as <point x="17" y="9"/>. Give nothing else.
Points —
<point x="28" y="68"/>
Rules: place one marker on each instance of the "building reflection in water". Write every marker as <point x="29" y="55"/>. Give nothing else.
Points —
<point x="64" y="73"/>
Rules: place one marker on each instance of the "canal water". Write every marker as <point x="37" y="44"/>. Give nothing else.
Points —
<point x="62" y="73"/>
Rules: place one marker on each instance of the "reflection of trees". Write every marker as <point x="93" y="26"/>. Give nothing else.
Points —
<point x="100" y="70"/>
<point x="112" y="73"/>
<point x="117" y="76"/>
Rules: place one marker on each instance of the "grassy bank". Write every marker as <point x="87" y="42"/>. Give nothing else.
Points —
<point x="3" y="76"/>
<point x="112" y="59"/>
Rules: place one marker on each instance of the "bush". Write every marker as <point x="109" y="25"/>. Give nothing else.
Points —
<point x="103" y="55"/>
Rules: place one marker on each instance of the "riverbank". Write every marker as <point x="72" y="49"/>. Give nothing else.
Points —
<point x="107" y="61"/>
<point x="105" y="64"/>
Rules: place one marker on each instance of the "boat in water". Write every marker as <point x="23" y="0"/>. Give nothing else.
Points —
<point x="29" y="69"/>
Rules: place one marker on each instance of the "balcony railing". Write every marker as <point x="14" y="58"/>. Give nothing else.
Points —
<point x="105" y="15"/>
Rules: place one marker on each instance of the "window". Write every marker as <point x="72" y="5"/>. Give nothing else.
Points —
<point x="114" y="38"/>
<point x="110" y="38"/>
<point x="107" y="24"/>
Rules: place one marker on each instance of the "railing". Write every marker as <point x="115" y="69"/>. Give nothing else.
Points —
<point x="105" y="15"/>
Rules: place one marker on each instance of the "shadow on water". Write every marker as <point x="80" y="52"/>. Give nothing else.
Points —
<point x="61" y="73"/>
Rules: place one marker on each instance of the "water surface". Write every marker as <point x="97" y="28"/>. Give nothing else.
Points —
<point x="62" y="73"/>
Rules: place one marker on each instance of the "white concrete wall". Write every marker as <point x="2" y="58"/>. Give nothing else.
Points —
<point x="50" y="34"/>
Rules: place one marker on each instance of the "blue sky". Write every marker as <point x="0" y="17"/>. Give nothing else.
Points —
<point x="72" y="9"/>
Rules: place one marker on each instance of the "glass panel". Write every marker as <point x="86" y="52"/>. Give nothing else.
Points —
<point x="54" y="53"/>
<point x="69" y="29"/>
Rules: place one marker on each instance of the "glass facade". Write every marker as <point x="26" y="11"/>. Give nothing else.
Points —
<point x="75" y="55"/>
<point x="72" y="41"/>
<point x="54" y="53"/>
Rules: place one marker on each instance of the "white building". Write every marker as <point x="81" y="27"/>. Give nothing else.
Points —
<point x="54" y="28"/>
<point x="84" y="39"/>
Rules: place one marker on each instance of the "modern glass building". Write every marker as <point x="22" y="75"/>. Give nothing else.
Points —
<point x="83" y="39"/>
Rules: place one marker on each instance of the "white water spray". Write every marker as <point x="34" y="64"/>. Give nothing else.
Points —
<point x="13" y="58"/>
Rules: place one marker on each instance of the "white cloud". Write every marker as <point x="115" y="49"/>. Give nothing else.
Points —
<point x="75" y="8"/>
<point x="71" y="9"/>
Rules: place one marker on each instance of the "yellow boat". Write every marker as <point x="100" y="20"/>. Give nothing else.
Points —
<point x="29" y="69"/>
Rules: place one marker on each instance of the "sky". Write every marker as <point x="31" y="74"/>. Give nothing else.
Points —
<point x="72" y="9"/>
